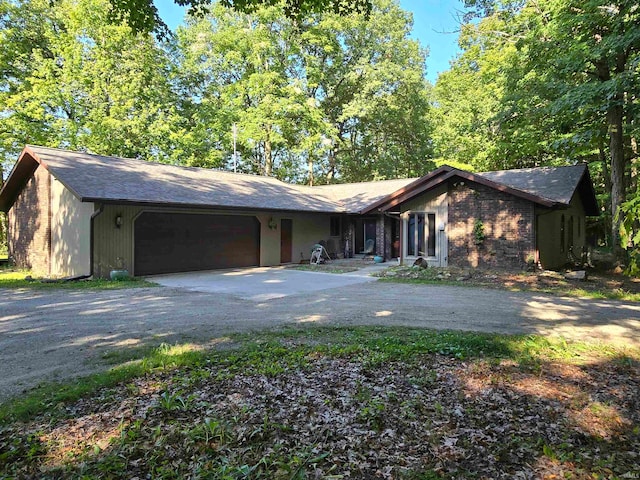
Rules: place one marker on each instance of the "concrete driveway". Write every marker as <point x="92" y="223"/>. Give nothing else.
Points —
<point x="265" y="283"/>
<point x="57" y="334"/>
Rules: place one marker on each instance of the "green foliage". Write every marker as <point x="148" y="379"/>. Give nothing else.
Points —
<point x="630" y="232"/>
<point x="322" y="98"/>
<point x="478" y="232"/>
<point x="142" y="15"/>
<point x="327" y="98"/>
<point x="547" y="83"/>
<point x="72" y="80"/>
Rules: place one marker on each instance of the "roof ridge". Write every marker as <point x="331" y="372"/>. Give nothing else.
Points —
<point x="171" y="165"/>
<point x="545" y="167"/>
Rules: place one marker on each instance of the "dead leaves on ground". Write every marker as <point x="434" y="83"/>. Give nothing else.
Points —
<point x="347" y="417"/>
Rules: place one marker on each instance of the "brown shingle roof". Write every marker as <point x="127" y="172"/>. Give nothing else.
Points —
<point x="554" y="183"/>
<point x="356" y="196"/>
<point x="95" y="178"/>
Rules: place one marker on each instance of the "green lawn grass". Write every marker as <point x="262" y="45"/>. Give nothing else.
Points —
<point x="11" y="278"/>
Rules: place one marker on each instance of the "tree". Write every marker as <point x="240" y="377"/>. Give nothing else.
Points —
<point x="571" y="89"/>
<point x="142" y="15"/>
<point x="367" y="75"/>
<point x="469" y="98"/>
<point x="330" y="97"/>
<point x="72" y="80"/>
<point x="590" y="49"/>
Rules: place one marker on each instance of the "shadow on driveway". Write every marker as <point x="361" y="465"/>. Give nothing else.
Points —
<point x="51" y="334"/>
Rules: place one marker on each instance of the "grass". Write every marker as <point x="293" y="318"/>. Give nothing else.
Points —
<point x="270" y="352"/>
<point x="50" y="397"/>
<point x="318" y="402"/>
<point x="11" y="278"/>
<point x="324" y="268"/>
<point x="400" y="394"/>
<point x="511" y="282"/>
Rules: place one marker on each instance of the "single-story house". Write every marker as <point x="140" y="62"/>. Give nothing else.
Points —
<point x="76" y="214"/>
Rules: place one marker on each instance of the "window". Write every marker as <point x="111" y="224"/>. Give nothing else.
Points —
<point x="334" y="227"/>
<point x="562" y="233"/>
<point x="411" y="236"/>
<point x="431" y="238"/>
<point x="421" y="234"/>
<point x="579" y="222"/>
<point x="570" y="233"/>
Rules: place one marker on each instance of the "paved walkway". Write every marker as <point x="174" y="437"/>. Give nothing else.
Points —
<point x="56" y="334"/>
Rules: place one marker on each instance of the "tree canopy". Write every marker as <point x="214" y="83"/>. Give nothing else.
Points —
<point x="142" y="15"/>
<point x="324" y="91"/>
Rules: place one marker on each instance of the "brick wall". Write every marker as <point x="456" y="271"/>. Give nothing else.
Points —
<point x="508" y="227"/>
<point x="30" y="225"/>
<point x="380" y="236"/>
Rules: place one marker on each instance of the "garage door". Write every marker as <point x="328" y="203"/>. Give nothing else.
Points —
<point x="182" y="242"/>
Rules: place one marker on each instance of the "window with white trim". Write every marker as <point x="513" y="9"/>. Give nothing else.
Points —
<point x="421" y="234"/>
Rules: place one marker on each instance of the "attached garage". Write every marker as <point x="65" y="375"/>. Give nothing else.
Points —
<point x="182" y="242"/>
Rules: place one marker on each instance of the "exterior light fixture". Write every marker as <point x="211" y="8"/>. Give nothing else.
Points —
<point x="118" y="220"/>
<point x="272" y="224"/>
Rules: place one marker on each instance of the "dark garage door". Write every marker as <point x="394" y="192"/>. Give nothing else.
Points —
<point x="182" y="242"/>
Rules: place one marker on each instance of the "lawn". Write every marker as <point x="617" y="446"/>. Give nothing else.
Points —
<point x="339" y="403"/>
<point x="14" y="278"/>
<point x="599" y="284"/>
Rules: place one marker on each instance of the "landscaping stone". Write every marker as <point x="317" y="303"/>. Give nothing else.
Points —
<point x="421" y="262"/>
<point x="580" y="275"/>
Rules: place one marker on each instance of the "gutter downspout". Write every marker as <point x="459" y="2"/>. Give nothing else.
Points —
<point x="92" y="237"/>
<point x="82" y="277"/>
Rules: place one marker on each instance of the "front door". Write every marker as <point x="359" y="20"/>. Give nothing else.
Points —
<point x="286" y="230"/>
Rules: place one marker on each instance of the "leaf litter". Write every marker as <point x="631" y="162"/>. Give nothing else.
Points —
<point x="346" y="416"/>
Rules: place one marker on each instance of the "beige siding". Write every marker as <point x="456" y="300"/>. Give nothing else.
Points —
<point x="308" y="229"/>
<point x="70" y="232"/>
<point x="552" y="254"/>
<point x="114" y="247"/>
<point x="436" y="202"/>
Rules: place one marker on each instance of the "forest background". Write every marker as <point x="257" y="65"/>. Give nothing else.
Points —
<point x="324" y="95"/>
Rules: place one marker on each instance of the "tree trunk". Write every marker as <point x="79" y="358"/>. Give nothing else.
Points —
<point x="310" y="164"/>
<point x="268" y="155"/>
<point x="3" y="218"/>
<point x="615" y="118"/>
<point x="332" y="164"/>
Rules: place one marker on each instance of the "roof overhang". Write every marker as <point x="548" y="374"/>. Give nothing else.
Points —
<point x="27" y="163"/>
<point x="443" y="175"/>
<point x="23" y="170"/>
<point x="588" y="194"/>
<point x="204" y="206"/>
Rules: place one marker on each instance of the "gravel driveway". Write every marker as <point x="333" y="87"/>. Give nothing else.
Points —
<point x="56" y="334"/>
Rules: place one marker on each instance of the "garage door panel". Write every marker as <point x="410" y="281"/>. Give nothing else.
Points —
<point x="180" y="242"/>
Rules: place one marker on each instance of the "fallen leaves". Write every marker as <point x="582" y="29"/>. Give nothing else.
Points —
<point x="346" y="416"/>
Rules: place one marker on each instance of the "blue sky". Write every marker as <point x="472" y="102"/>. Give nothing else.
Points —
<point x="435" y="25"/>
